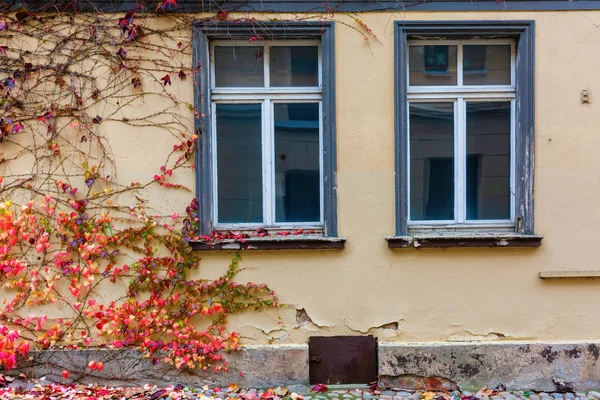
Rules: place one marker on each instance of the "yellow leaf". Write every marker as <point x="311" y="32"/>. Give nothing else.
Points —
<point x="428" y="395"/>
<point x="232" y="388"/>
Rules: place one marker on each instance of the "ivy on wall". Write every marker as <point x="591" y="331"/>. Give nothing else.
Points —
<point x="69" y="227"/>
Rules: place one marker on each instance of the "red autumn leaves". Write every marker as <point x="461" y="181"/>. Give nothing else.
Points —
<point x="92" y="365"/>
<point x="319" y="388"/>
<point x="96" y="366"/>
<point x="9" y="347"/>
<point x="132" y="31"/>
<point x="166" y="80"/>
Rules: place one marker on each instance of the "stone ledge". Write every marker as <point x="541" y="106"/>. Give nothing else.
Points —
<point x="443" y="241"/>
<point x="274" y="243"/>
<point x="569" y="274"/>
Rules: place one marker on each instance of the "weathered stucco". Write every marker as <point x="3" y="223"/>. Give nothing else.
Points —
<point x="456" y="294"/>
<point x="409" y="295"/>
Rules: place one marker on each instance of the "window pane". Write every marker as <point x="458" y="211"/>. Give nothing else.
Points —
<point x="488" y="160"/>
<point x="239" y="66"/>
<point x="239" y="163"/>
<point x="486" y="65"/>
<point x="432" y="65"/>
<point x="431" y="161"/>
<point x="297" y="177"/>
<point x="294" y="65"/>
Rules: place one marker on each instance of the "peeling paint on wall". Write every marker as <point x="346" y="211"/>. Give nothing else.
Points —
<point x="429" y="295"/>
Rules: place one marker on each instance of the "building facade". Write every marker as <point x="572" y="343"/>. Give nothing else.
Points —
<point x="413" y="167"/>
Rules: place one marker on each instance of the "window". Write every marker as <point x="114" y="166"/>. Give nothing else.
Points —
<point x="464" y="127"/>
<point x="461" y="133"/>
<point x="266" y="103"/>
<point x="268" y="127"/>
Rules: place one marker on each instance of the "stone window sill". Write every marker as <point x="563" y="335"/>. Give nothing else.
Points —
<point x="569" y="274"/>
<point x="461" y="239"/>
<point x="273" y="243"/>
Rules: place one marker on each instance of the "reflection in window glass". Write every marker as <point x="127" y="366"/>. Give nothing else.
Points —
<point x="239" y="66"/>
<point x="432" y="65"/>
<point x="486" y="65"/>
<point x="294" y="65"/>
<point x="488" y="160"/>
<point x="297" y="173"/>
<point x="431" y="161"/>
<point x="239" y="163"/>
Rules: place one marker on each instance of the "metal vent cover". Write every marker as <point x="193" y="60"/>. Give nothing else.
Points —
<point x="342" y="359"/>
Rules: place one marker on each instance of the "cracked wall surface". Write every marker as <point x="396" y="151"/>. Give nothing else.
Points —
<point x="425" y="295"/>
<point x="450" y="295"/>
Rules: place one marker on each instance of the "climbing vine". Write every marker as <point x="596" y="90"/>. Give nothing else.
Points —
<point x="84" y="96"/>
<point x="70" y="228"/>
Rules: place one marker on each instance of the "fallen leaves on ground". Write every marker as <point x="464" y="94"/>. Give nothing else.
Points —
<point x="55" y="391"/>
<point x="21" y="388"/>
<point x="319" y="388"/>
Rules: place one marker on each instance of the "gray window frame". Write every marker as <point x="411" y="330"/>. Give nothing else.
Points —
<point x="523" y="32"/>
<point x="206" y="31"/>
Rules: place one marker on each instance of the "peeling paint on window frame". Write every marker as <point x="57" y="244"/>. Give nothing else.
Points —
<point x="523" y="32"/>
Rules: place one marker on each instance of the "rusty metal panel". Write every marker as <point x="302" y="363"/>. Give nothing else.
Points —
<point x="342" y="359"/>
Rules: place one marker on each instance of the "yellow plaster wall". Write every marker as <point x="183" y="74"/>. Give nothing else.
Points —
<point x="455" y="294"/>
<point x="423" y="295"/>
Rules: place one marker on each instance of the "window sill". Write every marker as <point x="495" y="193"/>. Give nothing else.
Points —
<point x="569" y="274"/>
<point x="273" y="243"/>
<point x="457" y="239"/>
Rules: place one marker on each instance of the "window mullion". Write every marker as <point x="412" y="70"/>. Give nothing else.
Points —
<point x="320" y="67"/>
<point x="268" y="175"/>
<point x="214" y="163"/>
<point x="513" y="65"/>
<point x="267" y="65"/>
<point x="459" y="66"/>
<point x="460" y="164"/>
<point x="513" y="162"/>
<point x="212" y="66"/>
<point x="321" y="169"/>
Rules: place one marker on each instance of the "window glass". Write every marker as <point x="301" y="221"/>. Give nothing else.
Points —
<point x="431" y="161"/>
<point x="488" y="160"/>
<point x="297" y="172"/>
<point x="432" y="65"/>
<point x="486" y="65"/>
<point x="239" y="66"/>
<point x="268" y="163"/>
<point x="294" y="65"/>
<point x="239" y="163"/>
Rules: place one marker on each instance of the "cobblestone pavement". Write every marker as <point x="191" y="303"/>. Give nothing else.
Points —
<point x="455" y="395"/>
<point x="46" y="390"/>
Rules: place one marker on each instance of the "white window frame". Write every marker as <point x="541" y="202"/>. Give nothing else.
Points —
<point x="267" y="96"/>
<point x="459" y="94"/>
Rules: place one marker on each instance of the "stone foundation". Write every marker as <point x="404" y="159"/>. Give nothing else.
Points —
<point x="431" y="366"/>
<point x="256" y="367"/>
<point x="470" y="366"/>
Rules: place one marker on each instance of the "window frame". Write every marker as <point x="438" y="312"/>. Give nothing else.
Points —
<point x="522" y="34"/>
<point x="207" y="35"/>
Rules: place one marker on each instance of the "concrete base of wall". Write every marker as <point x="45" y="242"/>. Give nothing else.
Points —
<point x="470" y="366"/>
<point x="252" y="367"/>
<point x="433" y="366"/>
